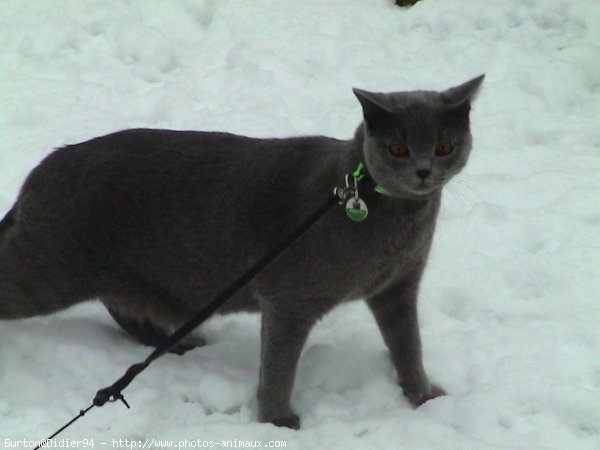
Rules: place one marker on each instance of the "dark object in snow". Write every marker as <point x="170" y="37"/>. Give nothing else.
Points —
<point x="406" y="2"/>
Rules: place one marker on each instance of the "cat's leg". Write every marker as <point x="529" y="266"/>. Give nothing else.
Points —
<point x="284" y="329"/>
<point x="395" y="310"/>
<point x="147" y="329"/>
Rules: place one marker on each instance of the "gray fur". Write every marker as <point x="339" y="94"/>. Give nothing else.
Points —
<point x="156" y="222"/>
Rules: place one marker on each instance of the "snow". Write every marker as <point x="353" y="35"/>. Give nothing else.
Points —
<point x="510" y="304"/>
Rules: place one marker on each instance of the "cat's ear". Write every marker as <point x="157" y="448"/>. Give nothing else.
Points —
<point x="465" y="92"/>
<point x="458" y="99"/>
<point x="373" y="110"/>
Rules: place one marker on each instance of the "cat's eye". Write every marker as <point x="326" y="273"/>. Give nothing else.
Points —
<point x="443" y="149"/>
<point x="399" y="150"/>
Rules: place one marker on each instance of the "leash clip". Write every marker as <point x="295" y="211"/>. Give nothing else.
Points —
<point x="356" y="208"/>
<point x="119" y="396"/>
<point x="344" y="192"/>
<point x="109" y="395"/>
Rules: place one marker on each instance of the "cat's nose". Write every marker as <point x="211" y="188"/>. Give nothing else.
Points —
<point x="423" y="173"/>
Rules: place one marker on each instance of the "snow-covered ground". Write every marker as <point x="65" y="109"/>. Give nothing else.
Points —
<point x="510" y="306"/>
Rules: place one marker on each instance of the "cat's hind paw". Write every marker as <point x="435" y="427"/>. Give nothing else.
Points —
<point x="292" y="422"/>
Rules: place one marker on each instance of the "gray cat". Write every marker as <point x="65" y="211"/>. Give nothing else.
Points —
<point x="155" y="223"/>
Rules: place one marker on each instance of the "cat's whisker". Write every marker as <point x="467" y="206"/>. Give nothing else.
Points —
<point x="463" y="206"/>
<point x="462" y="182"/>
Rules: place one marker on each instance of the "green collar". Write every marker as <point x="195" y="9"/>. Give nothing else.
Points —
<point x="361" y="172"/>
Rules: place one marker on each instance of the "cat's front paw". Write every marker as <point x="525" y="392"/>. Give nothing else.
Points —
<point x="418" y="397"/>
<point x="292" y="421"/>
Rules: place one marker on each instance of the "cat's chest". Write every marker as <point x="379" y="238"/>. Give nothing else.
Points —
<point x="392" y="229"/>
<point x="344" y="259"/>
<point x="392" y="247"/>
<point x="390" y="244"/>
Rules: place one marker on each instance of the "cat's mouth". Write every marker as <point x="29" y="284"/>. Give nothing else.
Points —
<point x="424" y="188"/>
<point x="409" y="187"/>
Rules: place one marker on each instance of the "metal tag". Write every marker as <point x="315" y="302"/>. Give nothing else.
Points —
<point x="356" y="209"/>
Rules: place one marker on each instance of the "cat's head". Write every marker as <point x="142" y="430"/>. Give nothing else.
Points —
<point x="414" y="142"/>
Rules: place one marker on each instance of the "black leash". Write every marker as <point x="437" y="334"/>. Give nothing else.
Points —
<point x="355" y="209"/>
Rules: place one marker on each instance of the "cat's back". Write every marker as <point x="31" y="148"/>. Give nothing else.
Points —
<point x="148" y="140"/>
<point x="133" y="154"/>
<point x="161" y="151"/>
<point x="149" y="144"/>
<point x="161" y="185"/>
